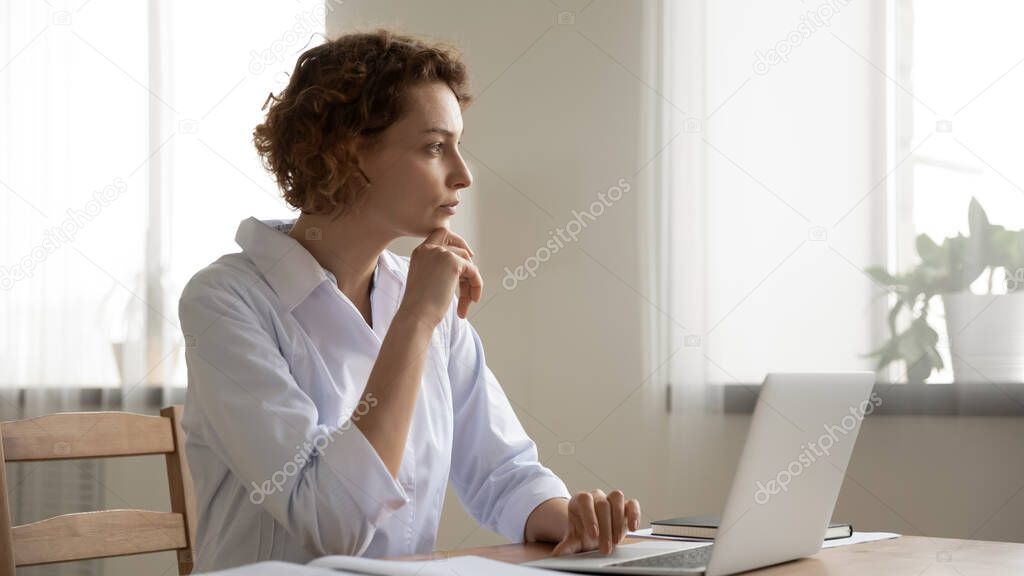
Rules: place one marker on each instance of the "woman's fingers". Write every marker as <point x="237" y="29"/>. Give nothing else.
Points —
<point x="438" y="237"/>
<point x="572" y="532"/>
<point x="471" y="284"/>
<point x="604" y="520"/>
<point x="448" y="239"/>
<point x="571" y="542"/>
<point x="599" y="521"/>
<point x="633" y="514"/>
<point x="617" y="504"/>
<point x="460" y="252"/>
<point x="454" y="239"/>
<point x="470" y="277"/>
<point x="576" y="522"/>
<point x="587" y="516"/>
<point x="569" y="545"/>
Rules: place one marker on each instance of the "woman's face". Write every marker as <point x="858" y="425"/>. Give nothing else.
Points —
<point x="415" y="167"/>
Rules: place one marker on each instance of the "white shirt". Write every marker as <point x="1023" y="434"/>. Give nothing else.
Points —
<point x="278" y="359"/>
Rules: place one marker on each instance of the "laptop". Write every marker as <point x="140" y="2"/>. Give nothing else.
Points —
<point x="793" y="463"/>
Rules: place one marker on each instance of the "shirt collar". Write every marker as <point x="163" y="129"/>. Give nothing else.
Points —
<point x="289" y="268"/>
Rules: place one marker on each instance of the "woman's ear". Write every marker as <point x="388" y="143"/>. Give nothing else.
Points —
<point x="360" y="154"/>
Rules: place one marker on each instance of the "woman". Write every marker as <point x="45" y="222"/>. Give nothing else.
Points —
<point x="334" y="387"/>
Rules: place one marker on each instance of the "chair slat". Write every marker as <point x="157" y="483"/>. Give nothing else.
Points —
<point x="86" y="435"/>
<point x="101" y="534"/>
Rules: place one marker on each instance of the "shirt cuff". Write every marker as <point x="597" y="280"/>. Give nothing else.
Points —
<point x="522" y="502"/>
<point x="352" y="458"/>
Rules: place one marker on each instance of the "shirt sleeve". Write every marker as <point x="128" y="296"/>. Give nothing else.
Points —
<point x="495" y="469"/>
<point x="327" y="486"/>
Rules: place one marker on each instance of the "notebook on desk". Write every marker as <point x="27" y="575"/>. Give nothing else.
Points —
<point x="706" y="526"/>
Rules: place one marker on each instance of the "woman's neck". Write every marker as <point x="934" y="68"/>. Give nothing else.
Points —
<point x="344" y="246"/>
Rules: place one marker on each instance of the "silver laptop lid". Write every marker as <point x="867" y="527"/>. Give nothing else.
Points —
<point x="792" y="467"/>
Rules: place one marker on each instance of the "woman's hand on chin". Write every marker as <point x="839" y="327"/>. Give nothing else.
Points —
<point x="440" y="268"/>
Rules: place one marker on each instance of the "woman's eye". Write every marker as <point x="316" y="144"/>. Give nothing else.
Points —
<point x="436" y="148"/>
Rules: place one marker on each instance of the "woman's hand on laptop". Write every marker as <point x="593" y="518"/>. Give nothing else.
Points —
<point x="598" y="521"/>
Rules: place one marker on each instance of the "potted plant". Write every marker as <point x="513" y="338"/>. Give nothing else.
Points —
<point x="986" y="331"/>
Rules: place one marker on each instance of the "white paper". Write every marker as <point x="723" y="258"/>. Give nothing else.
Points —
<point x="455" y="566"/>
<point x="275" y="568"/>
<point x="857" y="538"/>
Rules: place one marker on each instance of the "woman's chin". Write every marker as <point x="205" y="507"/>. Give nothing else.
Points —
<point x="428" y="227"/>
<point x="441" y="221"/>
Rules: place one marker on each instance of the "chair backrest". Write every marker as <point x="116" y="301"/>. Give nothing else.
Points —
<point x="105" y="533"/>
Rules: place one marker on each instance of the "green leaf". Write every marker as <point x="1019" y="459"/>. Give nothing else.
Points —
<point x="927" y="249"/>
<point x="977" y="220"/>
<point x="881" y="276"/>
<point x="1003" y="247"/>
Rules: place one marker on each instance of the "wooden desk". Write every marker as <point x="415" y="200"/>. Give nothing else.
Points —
<point x="904" y="556"/>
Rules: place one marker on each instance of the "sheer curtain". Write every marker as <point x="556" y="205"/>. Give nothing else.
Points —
<point x="771" y="206"/>
<point x="125" y="165"/>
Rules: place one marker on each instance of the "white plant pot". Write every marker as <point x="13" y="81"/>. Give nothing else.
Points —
<point x="986" y="337"/>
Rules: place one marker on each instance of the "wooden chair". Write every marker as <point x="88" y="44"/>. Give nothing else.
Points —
<point x="105" y="533"/>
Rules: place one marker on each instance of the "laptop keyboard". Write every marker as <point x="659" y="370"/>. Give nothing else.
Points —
<point x="690" y="558"/>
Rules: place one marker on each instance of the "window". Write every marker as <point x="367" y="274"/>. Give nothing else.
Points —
<point x="125" y="164"/>
<point x="830" y="135"/>
<point x="956" y="120"/>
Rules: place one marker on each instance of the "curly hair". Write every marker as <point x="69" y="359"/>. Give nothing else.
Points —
<point x="343" y="94"/>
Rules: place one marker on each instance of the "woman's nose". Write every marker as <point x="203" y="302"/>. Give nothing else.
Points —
<point x="461" y="177"/>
